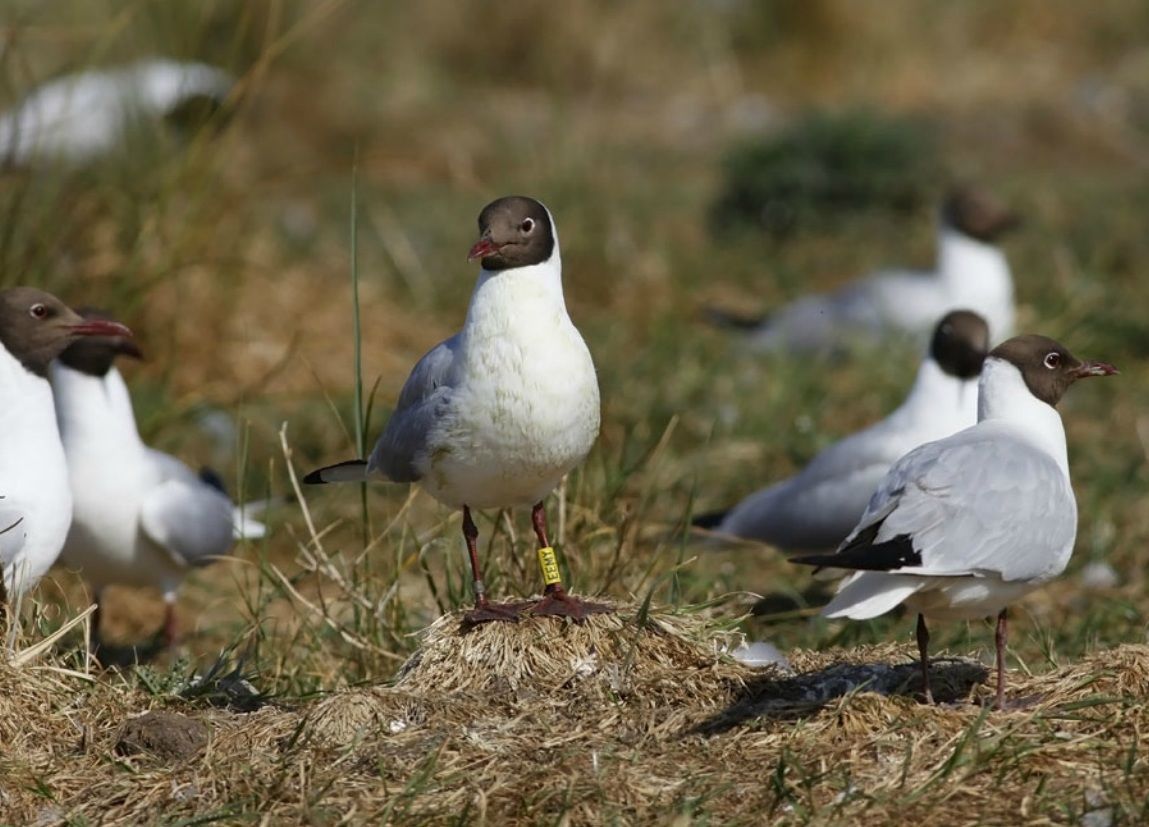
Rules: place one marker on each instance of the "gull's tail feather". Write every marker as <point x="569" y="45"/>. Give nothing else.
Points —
<point x="245" y="526"/>
<point x="353" y="470"/>
<point x="868" y="594"/>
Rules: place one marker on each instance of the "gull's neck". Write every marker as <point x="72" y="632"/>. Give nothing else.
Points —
<point x="507" y="298"/>
<point x="1004" y="397"/>
<point x="92" y="408"/>
<point x="27" y="398"/>
<point x="936" y="393"/>
<point x="965" y="262"/>
<point x="975" y="275"/>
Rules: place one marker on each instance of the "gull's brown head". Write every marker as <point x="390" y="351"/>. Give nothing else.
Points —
<point x="514" y="231"/>
<point x="1047" y="366"/>
<point x="36" y="327"/>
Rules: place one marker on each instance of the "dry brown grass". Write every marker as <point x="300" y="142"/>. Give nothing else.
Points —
<point x="615" y="720"/>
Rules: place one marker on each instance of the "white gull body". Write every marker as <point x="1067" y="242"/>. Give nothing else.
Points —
<point x="496" y="415"/>
<point x="35" y="500"/>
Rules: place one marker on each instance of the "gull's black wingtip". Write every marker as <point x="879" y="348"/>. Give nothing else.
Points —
<point x="353" y="470"/>
<point x="860" y="555"/>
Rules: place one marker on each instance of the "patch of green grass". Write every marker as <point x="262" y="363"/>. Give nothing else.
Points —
<point x="826" y="166"/>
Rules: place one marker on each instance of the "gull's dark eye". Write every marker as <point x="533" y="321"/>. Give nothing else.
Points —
<point x="1052" y="360"/>
<point x="527" y="225"/>
<point x="38" y="311"/>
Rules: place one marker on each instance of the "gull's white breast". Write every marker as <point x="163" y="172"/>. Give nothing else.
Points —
<point x="35" y="501"/>
<point x="525" y="406"/>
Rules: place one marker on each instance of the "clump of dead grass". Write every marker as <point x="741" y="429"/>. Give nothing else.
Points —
<point x="608" y="656"/>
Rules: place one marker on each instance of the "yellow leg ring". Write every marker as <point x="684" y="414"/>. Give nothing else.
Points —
<point x="549" y="566"/>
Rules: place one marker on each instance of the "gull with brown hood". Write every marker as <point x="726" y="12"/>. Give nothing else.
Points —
<point x="35" y="499"/>
<point x="498" y="414"/>
<point x="961" y="528"/>
<point x="971" y="272"/>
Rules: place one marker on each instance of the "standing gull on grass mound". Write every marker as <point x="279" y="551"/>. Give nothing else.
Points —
<point x="962" y="527"/>
<point x="971" y="272"/>
<point x="495" y="416"/>
<point x="141" y="517"/>
<point x="35" y="500"/>
<point x="815" y="509"/>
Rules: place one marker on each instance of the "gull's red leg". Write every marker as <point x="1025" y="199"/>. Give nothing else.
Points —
<point x="556" y="601"/>
<point x="484" y="611"/>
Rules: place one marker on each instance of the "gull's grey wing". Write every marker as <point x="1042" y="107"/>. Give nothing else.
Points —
<point x="422" y="401"/>
<point x="973" y="504"/>
<point x="815" y="323"/>
<point x="171" y="468"/>
<point x="191" y="520"/>
<point x="881" y="444"/>
<point x="861" y="310"/>
<point x="244" y="524"/>
<point x="817" y="508"/>
<point x="801" y="514"/>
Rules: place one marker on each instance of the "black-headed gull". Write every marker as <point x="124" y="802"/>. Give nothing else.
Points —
<point x="496" y="415"/>
<point x="971" y="273"/>
<point x="962" y="527"/>
<point x="35" y="499"/>
<point x="140" y="517"/>
<point x="815" y="509"/>
<point x="78" y="117"/>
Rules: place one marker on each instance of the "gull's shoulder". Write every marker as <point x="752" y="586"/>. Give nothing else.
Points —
<point x="431" y="372"/>
<point x="421" y="403"/>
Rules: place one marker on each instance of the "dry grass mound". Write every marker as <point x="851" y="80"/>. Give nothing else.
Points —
<point x="615" y="719"/>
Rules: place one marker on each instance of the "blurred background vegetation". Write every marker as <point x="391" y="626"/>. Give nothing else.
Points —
<point x="740" y="152"/>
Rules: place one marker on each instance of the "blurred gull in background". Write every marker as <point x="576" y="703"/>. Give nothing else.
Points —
<point x="79" y="117"/>
<point x="971" y="272"/>
<point x="815" y="509"/>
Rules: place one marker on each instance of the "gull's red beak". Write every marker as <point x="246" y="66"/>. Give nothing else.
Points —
<point x="483" y="247"/>
<point x="100" y="327"/>
<point x="1095" y="369"/>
